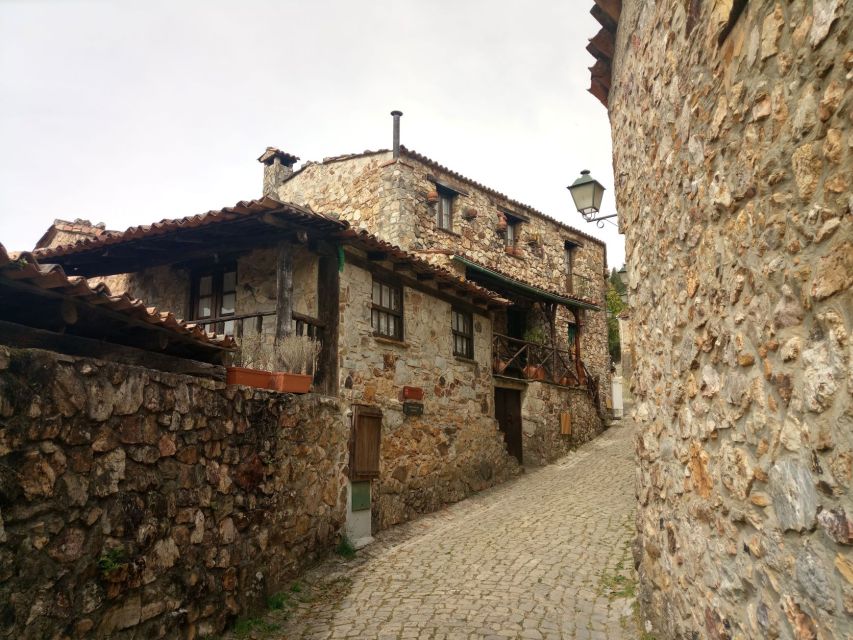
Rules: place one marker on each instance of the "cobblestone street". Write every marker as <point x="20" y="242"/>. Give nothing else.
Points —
<point x="545" y="556"/>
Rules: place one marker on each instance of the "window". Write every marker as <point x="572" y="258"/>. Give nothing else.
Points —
<point x="570" y="258"/>
<point x="386" y="317"/>
<point x="512" y="229"/>
<point x="444" y="209"/>
<point x="463" y="334"/>
<point x="214" y="295"/>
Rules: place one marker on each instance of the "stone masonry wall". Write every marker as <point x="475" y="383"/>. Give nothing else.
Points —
<point x="734" y="168"/>
<point x="390" y="199"/>
<point x="542" y="439"/>
<point x="135" y="503"/>
<point x="455" y="447"/>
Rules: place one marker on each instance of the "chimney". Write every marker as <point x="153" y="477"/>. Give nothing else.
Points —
<point x="278" y="167"/>
<point x="396" y="115"/>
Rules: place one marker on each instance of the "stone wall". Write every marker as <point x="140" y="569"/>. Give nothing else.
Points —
<point x="391" y="200"/>
<point x="455" y="447"/>
<point x="542" y="439"/>
<point x="135" y="503"/>
<point x="733" y="165"/>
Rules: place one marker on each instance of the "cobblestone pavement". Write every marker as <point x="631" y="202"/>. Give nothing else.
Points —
<point x="543" y="556"/>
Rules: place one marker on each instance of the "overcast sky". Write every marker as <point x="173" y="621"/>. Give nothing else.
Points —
<point x="130" y="112"/>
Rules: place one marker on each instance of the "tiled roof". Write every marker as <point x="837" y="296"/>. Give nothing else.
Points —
<point x="558" y="294"/>
<point x="287" y="159"/>
<point x="251" y="208"/>
<point x="458" y="176"/>
<point x="602" y="47"/>
<point x="243" y="209"/>
<point x="369" y="242"/>
<point x="71" y="226"/>
<point x="25" y="268"/>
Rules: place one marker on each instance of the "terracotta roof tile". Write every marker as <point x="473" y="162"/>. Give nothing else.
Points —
<point x="24" y="267"/>
<point x="243" y="209"/>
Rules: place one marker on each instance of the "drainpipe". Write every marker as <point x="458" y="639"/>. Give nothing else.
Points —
<point x="396" y="115"/>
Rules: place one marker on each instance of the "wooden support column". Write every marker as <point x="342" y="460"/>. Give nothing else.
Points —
<point x="328" y="310"/>
<point x="578" y="364"/>
<point x="284" y="290"/>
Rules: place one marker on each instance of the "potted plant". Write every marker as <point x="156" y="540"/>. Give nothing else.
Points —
<point x="532" y="371"/>
<point x="432" y="196"/>
<point x="502" y="223"/>
<point x="255" y="359"/>
<point x="498" y="365"/>
<point x="298" y="355"/>
<point x="470" y="213"/>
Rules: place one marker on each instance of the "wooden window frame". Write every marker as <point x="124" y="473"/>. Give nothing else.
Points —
<point x="356" y="457"/>
<point x="513" y="227"/>
<point x="448" y="196"/>
<point x="383" y="310"/>
<point x="466" y="337"/>
<point x="217" y="275"/>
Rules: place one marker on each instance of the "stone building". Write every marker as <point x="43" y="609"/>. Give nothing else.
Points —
<point x="389" y="322"/>
<point x="731" y="129"/>
<point x="553" y="274"/>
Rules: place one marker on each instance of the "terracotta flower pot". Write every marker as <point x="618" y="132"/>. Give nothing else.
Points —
<point x="534" y="372"/>
<point x="499" y="365"/>
<point x="291" y="382"/>
<point x="432" y="197"/>
<point x="248" y="377"/>
<point x="565" y="381"/>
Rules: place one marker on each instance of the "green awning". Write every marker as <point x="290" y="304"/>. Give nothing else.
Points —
<point x="524" y="288"/>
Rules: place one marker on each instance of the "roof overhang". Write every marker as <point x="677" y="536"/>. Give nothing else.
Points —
<point x="524" y="288"/>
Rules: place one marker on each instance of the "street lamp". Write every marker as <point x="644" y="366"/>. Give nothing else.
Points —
<point x="587" y="192"/>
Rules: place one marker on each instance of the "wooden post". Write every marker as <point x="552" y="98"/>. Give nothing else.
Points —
<point x="284" y="291"/>
<point x="578" y="364"/>
<point x="328" y="310"/>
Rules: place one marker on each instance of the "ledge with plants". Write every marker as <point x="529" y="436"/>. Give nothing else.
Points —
<point x="287" y="365"/>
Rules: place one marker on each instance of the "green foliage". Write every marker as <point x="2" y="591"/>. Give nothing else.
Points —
<point x="278" y="601"/>
<point x="111" y="560"/>
<point x="535" y="335"/>
<point x="246" y="626"/>
<point x="345" y="548"/>
<point x="614" y="307"/>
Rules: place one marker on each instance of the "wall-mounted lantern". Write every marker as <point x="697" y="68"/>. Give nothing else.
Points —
<point x="587" y="193"/>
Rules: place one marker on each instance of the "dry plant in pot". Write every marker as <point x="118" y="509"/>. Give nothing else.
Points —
<point x="255" y="363"/>
<point x="298" y="356"/>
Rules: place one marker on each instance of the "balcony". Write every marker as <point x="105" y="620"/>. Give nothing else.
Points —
<point x="516" y="358"/>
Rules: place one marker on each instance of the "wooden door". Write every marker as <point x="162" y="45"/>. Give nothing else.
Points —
<point x="365" y="443"/>
<point x="508" y="415"/>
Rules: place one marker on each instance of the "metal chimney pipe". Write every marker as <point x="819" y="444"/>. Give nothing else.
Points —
<point x="396" y="115"/>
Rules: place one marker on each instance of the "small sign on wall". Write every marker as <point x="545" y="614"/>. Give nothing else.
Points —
<point x="566" y="423"/>
<point x="411" y="408"/>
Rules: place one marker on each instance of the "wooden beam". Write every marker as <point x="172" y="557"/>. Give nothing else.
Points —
<point x="425" y="277"/>
<point x="328" y="308"/>
<point x="97" y="313"/>
<point x="284" y="290"/>
<point x="414" y="283"/>
<point x="21" y="337"/>
<point x="377" y="256"/>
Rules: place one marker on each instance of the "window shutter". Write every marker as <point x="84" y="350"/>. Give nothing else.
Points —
<point x="366" y="440"/>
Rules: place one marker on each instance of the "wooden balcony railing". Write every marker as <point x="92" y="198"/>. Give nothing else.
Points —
<point x="236" y="325"/>
<point x="521" y="359"/>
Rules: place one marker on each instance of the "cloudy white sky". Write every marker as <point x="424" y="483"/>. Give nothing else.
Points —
<point x="130" y="112"/>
